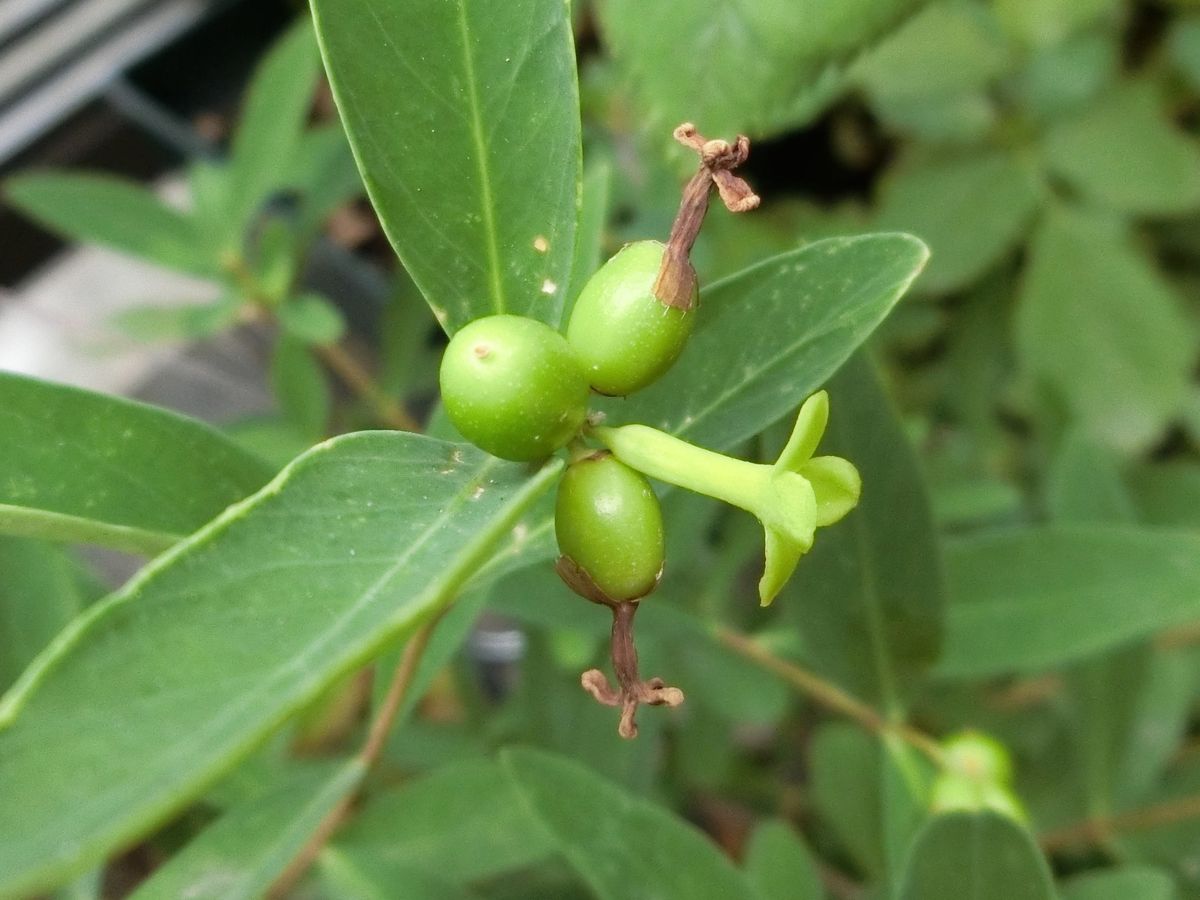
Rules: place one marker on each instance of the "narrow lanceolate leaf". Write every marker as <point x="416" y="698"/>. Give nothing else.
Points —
<point x="464" y="118"/>
<point x="978" y="855"/>
<point x="731" y="67"/>
<point x="120" y="214"/>
<point x="624" y="847"/>
<point x="160" y="689"/>
<point x="78" y="466"/>
<point x="870" y="597"/>
<point x="264" y="145"/>
<point x="240" y="855"/>
<point x="1028" y="599"/>
<point x="772" y="334"/>
<point x="1101" y="332"/>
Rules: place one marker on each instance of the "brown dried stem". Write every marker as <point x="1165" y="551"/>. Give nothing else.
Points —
<point x="676" y="282"/>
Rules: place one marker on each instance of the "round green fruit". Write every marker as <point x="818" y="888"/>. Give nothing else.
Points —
<point x="624" y="335"/>
<point x="979" y="757"/>
<point x="609" y="525"/>
<point x="513" y="387"/>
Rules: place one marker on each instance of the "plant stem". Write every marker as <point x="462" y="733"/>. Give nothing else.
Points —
<point x="342" y="363"/>
<point x="367" y="756"/>
<point x="1099" y="829"/>
<point x="830" y="695"/>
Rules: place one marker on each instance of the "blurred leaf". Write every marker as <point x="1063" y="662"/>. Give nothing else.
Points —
<point x="361" y="878"/>
<point x="964" y="117"/>
<point x="466" y="130"/>
<point x="1084" y="485"/>
<point x="312" y="319"/>
<point x="1027" y="599"/>
<point x="1121" y="884"/>
<point x="1062" y="77"/>
<point x="324" y="172"/>
<point x="797" y="318"/>
<point x="121" y="214"/>
<point x="78" y="466"/>
<point x="273" y="115"/>
<point x="947" y="48"/>
<point x="1183" y="47"/>
<point x="180" y="322"/>
<point x="1099" y="329"/>
<point x="1045" y="22"/>
<point x="1167" y="493"/>
<point x="873" y="795"/>
<point x="983" y="856"/>
<point x="869" y="599"/>
<point x="40" y="592"/>
<point x="270" y="438"/>
<point x="624" y="847"/>
<point x="779" y="865"/>
<point x="167" y="684"/>
<point x="753" y="67"/>
<point x="464" y="822"/>
<point x="1172" y="843"/>
<point x="1122" y="151"/>
<point x="589" y="241"/>
<point x="239" y="856"/>
<point x="970" y="209"/>
<point x="300" y="387"/>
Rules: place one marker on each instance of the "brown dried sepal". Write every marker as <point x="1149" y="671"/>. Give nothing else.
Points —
<point x="676" y="282"/>
<point x="631" y="691"/>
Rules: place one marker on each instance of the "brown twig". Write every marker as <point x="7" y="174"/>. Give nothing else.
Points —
<point x="830" y="695"/>
<point x="1099" y="829"/>
<point x="368" y="755"/>
<point x="342" y="363"/>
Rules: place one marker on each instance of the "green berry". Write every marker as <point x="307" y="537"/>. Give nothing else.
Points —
<point x="979" y="757"/>
<point x="513" y="387"/>
<point x="624" y="335"/>
<point x="609" y="524"/>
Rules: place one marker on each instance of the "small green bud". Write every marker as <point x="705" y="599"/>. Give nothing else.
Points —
<point x="513" y="387"/>
<point x="624" y="336"/>
<point x="979" y="757"/>
<point x="609" y="528"/>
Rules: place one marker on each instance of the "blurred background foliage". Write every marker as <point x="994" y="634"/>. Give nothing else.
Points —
<point x="1034" y="439"/>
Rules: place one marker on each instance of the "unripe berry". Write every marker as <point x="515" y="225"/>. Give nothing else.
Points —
<point x="609" y="524"/>
<point x="624" y="336"/>
<point x="513" y="387"/>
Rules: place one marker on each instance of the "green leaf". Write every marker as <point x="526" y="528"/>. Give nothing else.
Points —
<point x="1122" y="151"/>
<point x="1100" y="331"/>
<point x="240" y="855"/>
<point x="366" y="879"/>
<point x="1046" y="22"/>
<point x="118" y="213"/>
<point x="1121" y="884"/>
<point x="179" y="322"/>
<point x="312" y="319"/>
<point x="40" y="591"/>
<point x="753" y="67"/>
<point x="779" y="865"/>
<point x="870" y="604"/>
<point x="971" y="209"/>
<point x="624" y="847"/>
<point x="873" y="795"/>
<point x="464" y="822"/>
<point x="1027" y="599"/>
<point x="983" y="856"/>
<point x="156" y="692"/>
<point x="466" y="131"/>
<point x="1183" y="47"/>
<point x="1167" y="493"/>
<point x="272" y="121"/>
<point x="589" y="241"/>
<point x="78" y="466"/>
<point x="300" y="387"/>
<point x="947" y="48"/>
<point x="797" y="317"/>
<point x="324" y="172"/>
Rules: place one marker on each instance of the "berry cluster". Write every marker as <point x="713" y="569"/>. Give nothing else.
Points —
<point x="518" y="389"/>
